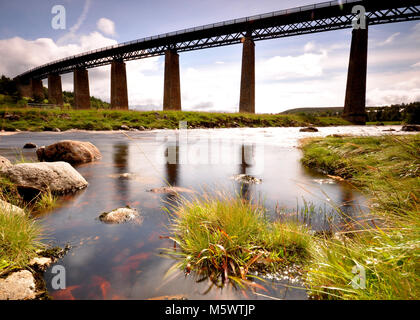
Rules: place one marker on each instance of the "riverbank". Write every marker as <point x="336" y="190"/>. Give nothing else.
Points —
<point x="382" y="255"/>
<point x="24" y="255"/>
<point x="35" y="119"/>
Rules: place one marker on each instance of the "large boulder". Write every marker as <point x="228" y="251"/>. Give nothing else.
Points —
<point x="19" y="285"/>
<point x="69" y="151"/>
<point x="58" y="177"/>
<point x="4" y="163"/>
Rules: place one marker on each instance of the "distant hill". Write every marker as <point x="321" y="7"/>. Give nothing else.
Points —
<point x="406" y="112"/>
<point x="331" y="110"/>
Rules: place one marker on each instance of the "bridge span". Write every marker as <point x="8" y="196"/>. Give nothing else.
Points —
<point x="320" y="17"/>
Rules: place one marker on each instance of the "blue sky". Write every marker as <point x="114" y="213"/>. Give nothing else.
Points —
<point x="302" y="71"/>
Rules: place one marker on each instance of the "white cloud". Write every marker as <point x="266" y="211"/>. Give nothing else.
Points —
<point x="106" y="26"/>
<point x="279" y="68"/>
<point x="309" y="47"/>
<point x="71" y="35"/>
<point x="389" y="39"/>
<point x="81" y="18"/>
<point x="19" y="55"/>
<point x="314" y="78"/>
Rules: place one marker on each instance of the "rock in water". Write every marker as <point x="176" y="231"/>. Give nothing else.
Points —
<point x="410" y="127"/>
<point x="171" y="190"/>
<point x="29" y="145"/>
<point x="4" y="163"/>
<point x="58" y="177"/>
<point x="41" y="263"/>
<point x="245" y="178"/>
<point x="121" y="215"/>
<point x="18" y="286"/>
<point x="309" y="129"/>
<point x="8" y="207"/>
<point x="69" y="151"/>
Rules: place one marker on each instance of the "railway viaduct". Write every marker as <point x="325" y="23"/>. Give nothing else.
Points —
<point x="320" y="17"/>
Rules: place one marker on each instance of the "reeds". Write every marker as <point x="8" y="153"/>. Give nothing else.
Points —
<point x="225" y="238"/>
<point x="385" y="256"/>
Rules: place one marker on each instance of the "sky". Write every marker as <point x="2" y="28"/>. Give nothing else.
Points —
<point x="301" y="71"/>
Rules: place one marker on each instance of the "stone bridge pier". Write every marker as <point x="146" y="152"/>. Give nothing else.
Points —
<point x="119" y="95"/>
<point x="247" y="93"/>
<point x="37" y="89"/>
<point x="55" y="92"/>
<point x="24" y="87"/>
<point x="172" y="84"/>
<point x="81" y="89"/>
<point x="355" y="101"/>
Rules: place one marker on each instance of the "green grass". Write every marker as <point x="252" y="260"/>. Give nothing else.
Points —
<point x="387" y="170"/>
<point x="20" y="235"/>
<point x="20" y="238"/>
<point x="45" y="201"/>
<point x="32" y="119"/>
<point x="224" y="238"/>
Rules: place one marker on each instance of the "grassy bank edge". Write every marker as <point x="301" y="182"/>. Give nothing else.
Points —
<point x="386" y="170"/>
<point x="35" y="119"/>
<point x="21" y="236"/>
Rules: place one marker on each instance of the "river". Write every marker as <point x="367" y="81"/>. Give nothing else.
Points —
<point x="123" y="261"/>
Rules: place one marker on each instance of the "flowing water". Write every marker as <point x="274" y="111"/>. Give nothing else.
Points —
<point x="123" y="261"/>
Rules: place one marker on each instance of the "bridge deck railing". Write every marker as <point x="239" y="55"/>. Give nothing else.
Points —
<point x="204" y="27"/>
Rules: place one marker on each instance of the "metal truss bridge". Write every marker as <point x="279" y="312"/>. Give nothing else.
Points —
<point x="325" y="16"/>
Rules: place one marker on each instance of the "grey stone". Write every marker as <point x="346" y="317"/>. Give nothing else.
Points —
<point x="58" y="177"/>
<point x="8" y="207"/>
<point x="121" y="215"/>
<point x="4" y="163"/>
<point x="19" y="285"/>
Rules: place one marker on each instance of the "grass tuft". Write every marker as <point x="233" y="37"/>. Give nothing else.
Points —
<point x="225" y="238"/>
<point x="20" y="238"/>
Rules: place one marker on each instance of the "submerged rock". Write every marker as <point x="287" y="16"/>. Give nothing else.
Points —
<point x="8" y="207"/>
<point x="245" y="178"/>
<point x="308" y="129"/>
<point x="171" y="190"/>
<point x="69" y="151"/>
<point x="18" y="285"/>
<point x="57" y="177"/>
<point x="4" y="163"/>
<point x="125" y="176"/>
<point x="410" y="127"/>
<point x="388" y="130"/>
<point x="121" y="215"/>
<point x="30" y="145"/>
